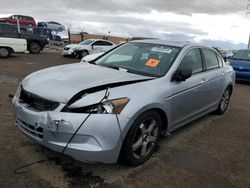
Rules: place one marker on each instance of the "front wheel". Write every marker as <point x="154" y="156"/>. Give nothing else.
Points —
<point x="224" y="103"/>
<point x="142" y="139"/>
<point x="4" y="52"/>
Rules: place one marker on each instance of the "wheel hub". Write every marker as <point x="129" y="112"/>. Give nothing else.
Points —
<point x="145" y="138"/>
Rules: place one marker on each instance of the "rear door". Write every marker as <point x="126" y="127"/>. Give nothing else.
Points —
<point x="213" y="76"/>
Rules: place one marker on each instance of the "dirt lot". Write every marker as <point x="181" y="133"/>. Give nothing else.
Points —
<point x="213" y="151"/>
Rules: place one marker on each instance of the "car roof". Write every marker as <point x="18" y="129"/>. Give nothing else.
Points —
<point x="21" y="15"/>
<point x="100" y="40"/>
<point x="163" y="42"/>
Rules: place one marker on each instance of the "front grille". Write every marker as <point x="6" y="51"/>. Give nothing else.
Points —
<point x="34" y="130"/>
<point x="66" y="48"/>
<point x="37" y="103"/>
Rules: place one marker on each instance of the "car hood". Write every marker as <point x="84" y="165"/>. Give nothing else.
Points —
<point x="61" y="83"/>
<point x="74" y="46"/>
<point x="235" y="63"/>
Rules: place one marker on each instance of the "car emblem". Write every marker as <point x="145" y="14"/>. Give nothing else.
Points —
<point x="241" y="68"/>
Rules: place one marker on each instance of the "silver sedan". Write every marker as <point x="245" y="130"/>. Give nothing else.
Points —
<point x="119" y="104"/>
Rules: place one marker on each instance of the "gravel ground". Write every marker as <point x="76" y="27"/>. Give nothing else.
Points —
<point x="213" y="151"/>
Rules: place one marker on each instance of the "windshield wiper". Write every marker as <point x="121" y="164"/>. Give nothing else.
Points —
<point x="110" y="66"/>
<point x="141" y="73"/>
<point x="91" y="62"/>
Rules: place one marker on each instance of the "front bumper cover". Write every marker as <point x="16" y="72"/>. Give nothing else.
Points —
<point x="98" y="140"/>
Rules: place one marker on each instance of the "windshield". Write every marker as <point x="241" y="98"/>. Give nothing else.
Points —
<point x="242" y="55"/>
<point x="141" y="58"/>
<point x="86" y="42"/>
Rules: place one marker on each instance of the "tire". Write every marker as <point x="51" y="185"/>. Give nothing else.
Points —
<point x="84" y="53"/>
<point x="142" y="139"/>
<point x="34" y="48"/>
<point x="4" y="52"/>
<point x="224" y="103"/>
<point x="60" y="29"/>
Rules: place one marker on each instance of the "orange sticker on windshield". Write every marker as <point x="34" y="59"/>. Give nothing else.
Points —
<point x="153" y="62"/>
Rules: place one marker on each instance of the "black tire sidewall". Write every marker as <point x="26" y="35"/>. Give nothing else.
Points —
<point x="86" y="53"/>
<point x="219" y="110"/>
<point x="31" y="50"/>
<point x="7" y="55"/>
<point x="127" y="153"/>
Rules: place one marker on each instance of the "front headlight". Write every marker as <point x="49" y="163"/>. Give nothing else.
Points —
<point x="114" y="106"/>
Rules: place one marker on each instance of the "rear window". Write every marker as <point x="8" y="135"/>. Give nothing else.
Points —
<point x="5" y="28"/>
<point x="211" y="60"/>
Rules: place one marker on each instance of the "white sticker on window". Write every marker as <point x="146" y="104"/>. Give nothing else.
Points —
<point x="162" y="50"/>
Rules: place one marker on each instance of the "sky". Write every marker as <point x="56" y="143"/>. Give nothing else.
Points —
<point x="220" y="23"/>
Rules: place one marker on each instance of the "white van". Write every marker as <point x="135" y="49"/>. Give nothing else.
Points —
<point x="11" y="45"/>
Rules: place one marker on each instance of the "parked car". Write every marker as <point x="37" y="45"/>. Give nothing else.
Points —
<point x="119" y="105"/>
<point x="241" y="64"/>
<point x="90" y="46"/>
<point x="23" y="20"/>
<point x="35" y="43"/>
<point x="226" y="53"/>
<point x="55" y="26"/>
<point x="56" y="41"/>
<point x="11" y="45"/>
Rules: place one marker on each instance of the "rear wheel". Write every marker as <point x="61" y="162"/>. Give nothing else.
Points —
<point x="34" y="48"/>
<point x="224" y="103"/>
<point x="4" y="52"/>
<point x="60" y="29"/>
<point x="142" y="139"/>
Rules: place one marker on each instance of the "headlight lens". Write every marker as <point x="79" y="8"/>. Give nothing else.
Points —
<point x="108" y="107"/>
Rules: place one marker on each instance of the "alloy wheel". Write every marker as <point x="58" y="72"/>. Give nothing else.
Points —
<point x="4" y="52"/>
<point x="225" y="100"/>
<point x="145" y="138"/>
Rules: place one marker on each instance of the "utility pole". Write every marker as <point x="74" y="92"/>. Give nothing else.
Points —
<point x="248" y="12"/>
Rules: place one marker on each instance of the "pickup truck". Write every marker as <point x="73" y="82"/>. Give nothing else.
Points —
<point x="11" y="45"/>
<point x="35" y="42"/>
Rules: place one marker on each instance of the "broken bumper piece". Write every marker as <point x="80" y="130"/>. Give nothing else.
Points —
<point x="98" y="140"/>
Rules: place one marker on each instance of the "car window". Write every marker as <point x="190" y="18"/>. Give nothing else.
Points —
<point x="242" y="55"/>
<point x="100" y="43"/>
<point x="15" y="17"/>
<point x="106" y="43"/>
<point x="86" y="42"/>
<point x="141" y="58"/>
<point x="192" y="60"/>
<point x="5" y="28"/>
<point x="125" y="54"/>
<point x="210" y="58"/>
<point x="220" y="61"/>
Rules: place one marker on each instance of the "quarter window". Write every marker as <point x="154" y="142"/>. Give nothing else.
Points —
<point x="211" y="60"/>
<point x="192" y="60"/>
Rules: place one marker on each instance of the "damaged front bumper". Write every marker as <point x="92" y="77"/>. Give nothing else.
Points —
<point x="98" y="140"/>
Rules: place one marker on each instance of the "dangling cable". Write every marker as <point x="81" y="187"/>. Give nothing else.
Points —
<point x="17" y="170"/>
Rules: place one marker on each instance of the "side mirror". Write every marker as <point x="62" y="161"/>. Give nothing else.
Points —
<point x="182" y="74"/>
